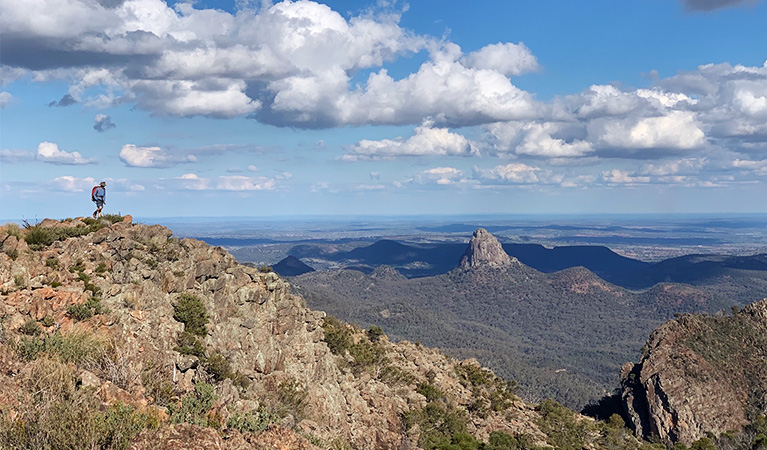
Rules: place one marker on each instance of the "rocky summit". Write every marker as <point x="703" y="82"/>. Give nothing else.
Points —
<point x="484" y="250"/>
<point x="119" y="335"/>
<point x="700" y="375"/>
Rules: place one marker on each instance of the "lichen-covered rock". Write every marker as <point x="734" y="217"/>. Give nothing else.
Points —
<point x="699" y="374"/>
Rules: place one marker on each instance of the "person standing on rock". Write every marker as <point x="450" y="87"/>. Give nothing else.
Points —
<point x="99" y="197"/>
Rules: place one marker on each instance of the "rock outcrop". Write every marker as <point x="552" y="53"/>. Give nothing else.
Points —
<point x="484" y="250"/>
<point x="264" y="352"/>
<point x="699" y="374"/>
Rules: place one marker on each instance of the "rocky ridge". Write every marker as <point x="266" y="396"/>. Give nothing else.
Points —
<point x="699" y="375"/>
<point x="278" y="357"/>
<point x="484" y="250"/>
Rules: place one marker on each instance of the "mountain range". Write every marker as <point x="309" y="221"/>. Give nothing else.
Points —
<point x="562" y="334"/>
<point x="734" y="277"/>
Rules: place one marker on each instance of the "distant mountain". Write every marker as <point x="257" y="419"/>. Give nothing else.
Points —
<point x="291" y="266"/>
<point x="420" y="260"/>
<point x="697" y="270"/>
<point x="561" y="335"/>
<point x="600" y="260"/>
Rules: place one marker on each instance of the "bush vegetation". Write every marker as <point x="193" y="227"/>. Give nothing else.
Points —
<point x="61" y="415"/>
<point x="195" y="407"/>
<point x="252" y="421"/>
<point x="39" y="237"/>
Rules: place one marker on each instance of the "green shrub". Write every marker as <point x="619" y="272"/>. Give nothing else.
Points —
<point x="562" y="426"/>
<point x="292" y="398"/>
<point x="337" y="335"/>
<point x="101" y="268"/>
<point x="29" y="348"/>
<point x="52" y="262"/>
<point x="252" y="421"/>
<point x="189" y="344"/>
<point x="438" y="423"/>
<point x="30" y="328"/>
<point x="375" y="333"/>
<point x="48" y="321"/>
<point x="159" y="383"/>
<point x="190" y="310"/>
<point x="218" y="367"/>
<point x="55" y="284"/>
<point x="13" y="229"/>
<point x="431" y="392"/>
<point x="195" y="406"/>
<point x="20" y="281"/>
<point x="265" y="268"/>
<point x="85" y="311"/>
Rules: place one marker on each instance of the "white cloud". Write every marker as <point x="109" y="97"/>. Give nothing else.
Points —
<point x="439" y="175"/>
<point x="69" y="183"/>
<point x="156" y="157"/>
<point x="617" y="176"/>
<point x="677" y="130"/>
<point x="758" y="167"/>
<point x="50" y="153"/>
<point x="290" y="63"/>
<point x="517" y="173"/>
<point x="427" y="141"/>
<point x="508" y="59"/>
<point x="666" y="168"/>
<point x="193" y="182"/>
<point x="12" y="156"/>
<point x="5" y="99"/>
<point x="548" y="139"/>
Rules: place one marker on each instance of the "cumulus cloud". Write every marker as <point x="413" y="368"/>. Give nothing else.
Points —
<point x="66" y="100"/>
<point x="439" y="175"/>
<point x="617" y="176"/>
<point x="427" y="141"/>
<point x="288" y="64"/>
<point x="50" y="153"/>
<point x="677" y="130"/>
<point x="102" y="123"/>
<point x="5" y="99"/>
<point x="548" y="139"/>
<point x="69" y="183"/>
<point x="155" y="157"/>
<point x="191" y="181"/>
<point x="517" y="173"/>
<point x="508" y="59"/>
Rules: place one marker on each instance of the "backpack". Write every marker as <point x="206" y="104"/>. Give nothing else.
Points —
<point x="93" y="193"/>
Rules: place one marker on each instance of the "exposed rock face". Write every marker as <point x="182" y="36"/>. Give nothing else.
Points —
<point x="699" y="374"/>
<point x="264" y="332"/>
<point x="485" y="251"/>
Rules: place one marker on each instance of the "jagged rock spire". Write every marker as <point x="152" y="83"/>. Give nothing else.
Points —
<point x="484" y="251"/>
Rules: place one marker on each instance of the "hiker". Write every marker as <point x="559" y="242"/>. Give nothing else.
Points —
<point x="99" y="196"/>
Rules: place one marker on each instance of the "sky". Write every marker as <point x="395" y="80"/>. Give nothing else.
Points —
<point x="301" y="108"/>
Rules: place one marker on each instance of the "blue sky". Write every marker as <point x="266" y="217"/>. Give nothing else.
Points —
<point x="254" y="108"/>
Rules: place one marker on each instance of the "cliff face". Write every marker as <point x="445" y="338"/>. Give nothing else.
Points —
<point x="699" y="374"/>
<point x="263" y="351"/>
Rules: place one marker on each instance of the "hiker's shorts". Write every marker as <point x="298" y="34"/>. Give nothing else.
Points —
<point x="99" y="203"/>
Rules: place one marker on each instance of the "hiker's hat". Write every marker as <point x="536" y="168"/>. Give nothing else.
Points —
<point x="103" y="183"/>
